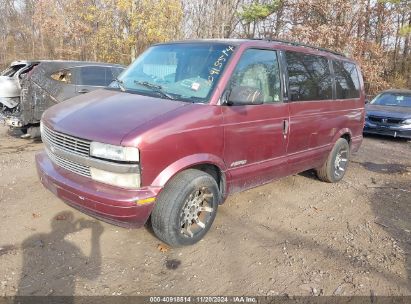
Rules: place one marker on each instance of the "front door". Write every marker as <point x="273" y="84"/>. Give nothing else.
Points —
<point x="256" y="136"/>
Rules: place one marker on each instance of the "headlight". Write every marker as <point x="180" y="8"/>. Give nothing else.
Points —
<point x="125" y="180"/>
<point x="407" y="121"/>
<point x="127" y="154"/>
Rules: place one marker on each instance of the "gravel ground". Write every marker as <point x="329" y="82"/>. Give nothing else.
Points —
<point x="295" y="236"/>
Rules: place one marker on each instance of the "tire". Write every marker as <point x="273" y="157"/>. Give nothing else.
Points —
<point x="34" y="132"/>
<point x="336" y="164"/>
<point x="189" y="197"/>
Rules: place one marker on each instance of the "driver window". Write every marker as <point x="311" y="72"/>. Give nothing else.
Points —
<point x="258" y="69"/>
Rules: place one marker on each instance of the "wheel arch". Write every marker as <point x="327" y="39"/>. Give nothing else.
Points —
<point x="204" y="162"/>
<point x="343" y="133"/>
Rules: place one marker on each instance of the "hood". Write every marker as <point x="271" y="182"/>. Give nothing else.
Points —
<point x="388" y="111"/>
<point x="106" y="115"/>
<point x="9" y="87"/>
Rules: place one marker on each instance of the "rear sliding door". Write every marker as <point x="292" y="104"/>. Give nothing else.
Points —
<point x="312" y="118"/>
<point x="324" y="100"/>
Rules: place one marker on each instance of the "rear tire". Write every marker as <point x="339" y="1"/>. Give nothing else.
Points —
<point x="186" y="208"/>
<point x="336" y="164"/>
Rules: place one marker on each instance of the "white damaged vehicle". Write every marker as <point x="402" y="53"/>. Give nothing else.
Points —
<point x="10" y="87"/>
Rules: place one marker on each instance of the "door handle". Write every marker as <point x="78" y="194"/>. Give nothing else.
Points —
<point x="82" y="91"/>
<point x="285" y="127"/>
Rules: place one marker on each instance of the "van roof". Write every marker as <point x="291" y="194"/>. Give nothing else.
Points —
<point x="27" y="62"/>
<point x="238" y="41"/>
<point x="17" y="62"/>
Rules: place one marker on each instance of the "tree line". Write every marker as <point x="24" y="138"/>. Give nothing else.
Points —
<point x="376" y="33"/>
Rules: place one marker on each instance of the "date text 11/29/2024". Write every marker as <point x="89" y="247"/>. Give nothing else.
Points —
<point x="204" y="299"/>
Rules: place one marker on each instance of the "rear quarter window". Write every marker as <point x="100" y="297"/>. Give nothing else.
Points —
<point x="309" y="77"/>
<point x="347" y="84"/>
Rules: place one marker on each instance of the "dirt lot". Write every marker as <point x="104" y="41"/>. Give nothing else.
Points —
<point x="296" y="236"/>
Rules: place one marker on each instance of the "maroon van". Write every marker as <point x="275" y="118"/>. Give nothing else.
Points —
<point x="190" y="122"/>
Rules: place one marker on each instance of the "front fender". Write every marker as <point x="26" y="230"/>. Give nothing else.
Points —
<point x="187" y="162"/>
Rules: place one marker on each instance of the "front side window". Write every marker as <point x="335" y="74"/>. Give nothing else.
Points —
<point x="347" y="84"/>
<point x="93" y="76"/>
<point x="183" y="71"/>
<point x="258" y="70"/>
<point x="309" y="77"/>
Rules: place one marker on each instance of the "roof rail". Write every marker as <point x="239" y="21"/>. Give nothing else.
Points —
<point x="301" y="44"/>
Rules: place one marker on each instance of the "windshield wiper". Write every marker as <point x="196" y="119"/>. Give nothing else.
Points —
<point x="155" y="88"/>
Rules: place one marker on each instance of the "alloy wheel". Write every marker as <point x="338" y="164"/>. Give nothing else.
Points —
<point x="340" y="162"/>
<point x="196" y="212"/>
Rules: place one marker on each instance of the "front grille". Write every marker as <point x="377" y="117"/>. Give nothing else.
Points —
<point x="65" y="142"/>
<point x="385" y="120"/>
<point x="69" y="165"/>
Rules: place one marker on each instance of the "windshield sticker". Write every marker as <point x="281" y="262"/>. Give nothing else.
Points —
<point x="195" y="86"/>
<point x="219" y="63"/>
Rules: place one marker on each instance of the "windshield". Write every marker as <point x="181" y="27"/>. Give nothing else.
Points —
<point x="181" y="71"/>
<point x="393" y="99"/>
<point x="10" y="71"/>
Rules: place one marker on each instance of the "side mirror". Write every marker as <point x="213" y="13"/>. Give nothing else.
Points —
<point x="244" y="96"/>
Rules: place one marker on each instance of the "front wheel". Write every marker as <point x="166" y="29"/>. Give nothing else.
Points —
<point x="186" y="208"/>
<point x="334" y="168"/>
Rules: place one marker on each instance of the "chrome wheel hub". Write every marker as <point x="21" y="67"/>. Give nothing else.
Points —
<point x="340" y="162"/>
<point x="196" y="212"/>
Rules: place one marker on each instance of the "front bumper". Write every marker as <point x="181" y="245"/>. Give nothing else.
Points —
<point x="387" y="130"/>
<point x="111" y="204"/>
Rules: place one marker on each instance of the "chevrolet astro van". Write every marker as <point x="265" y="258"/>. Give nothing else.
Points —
<point x="191" y="122"/>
